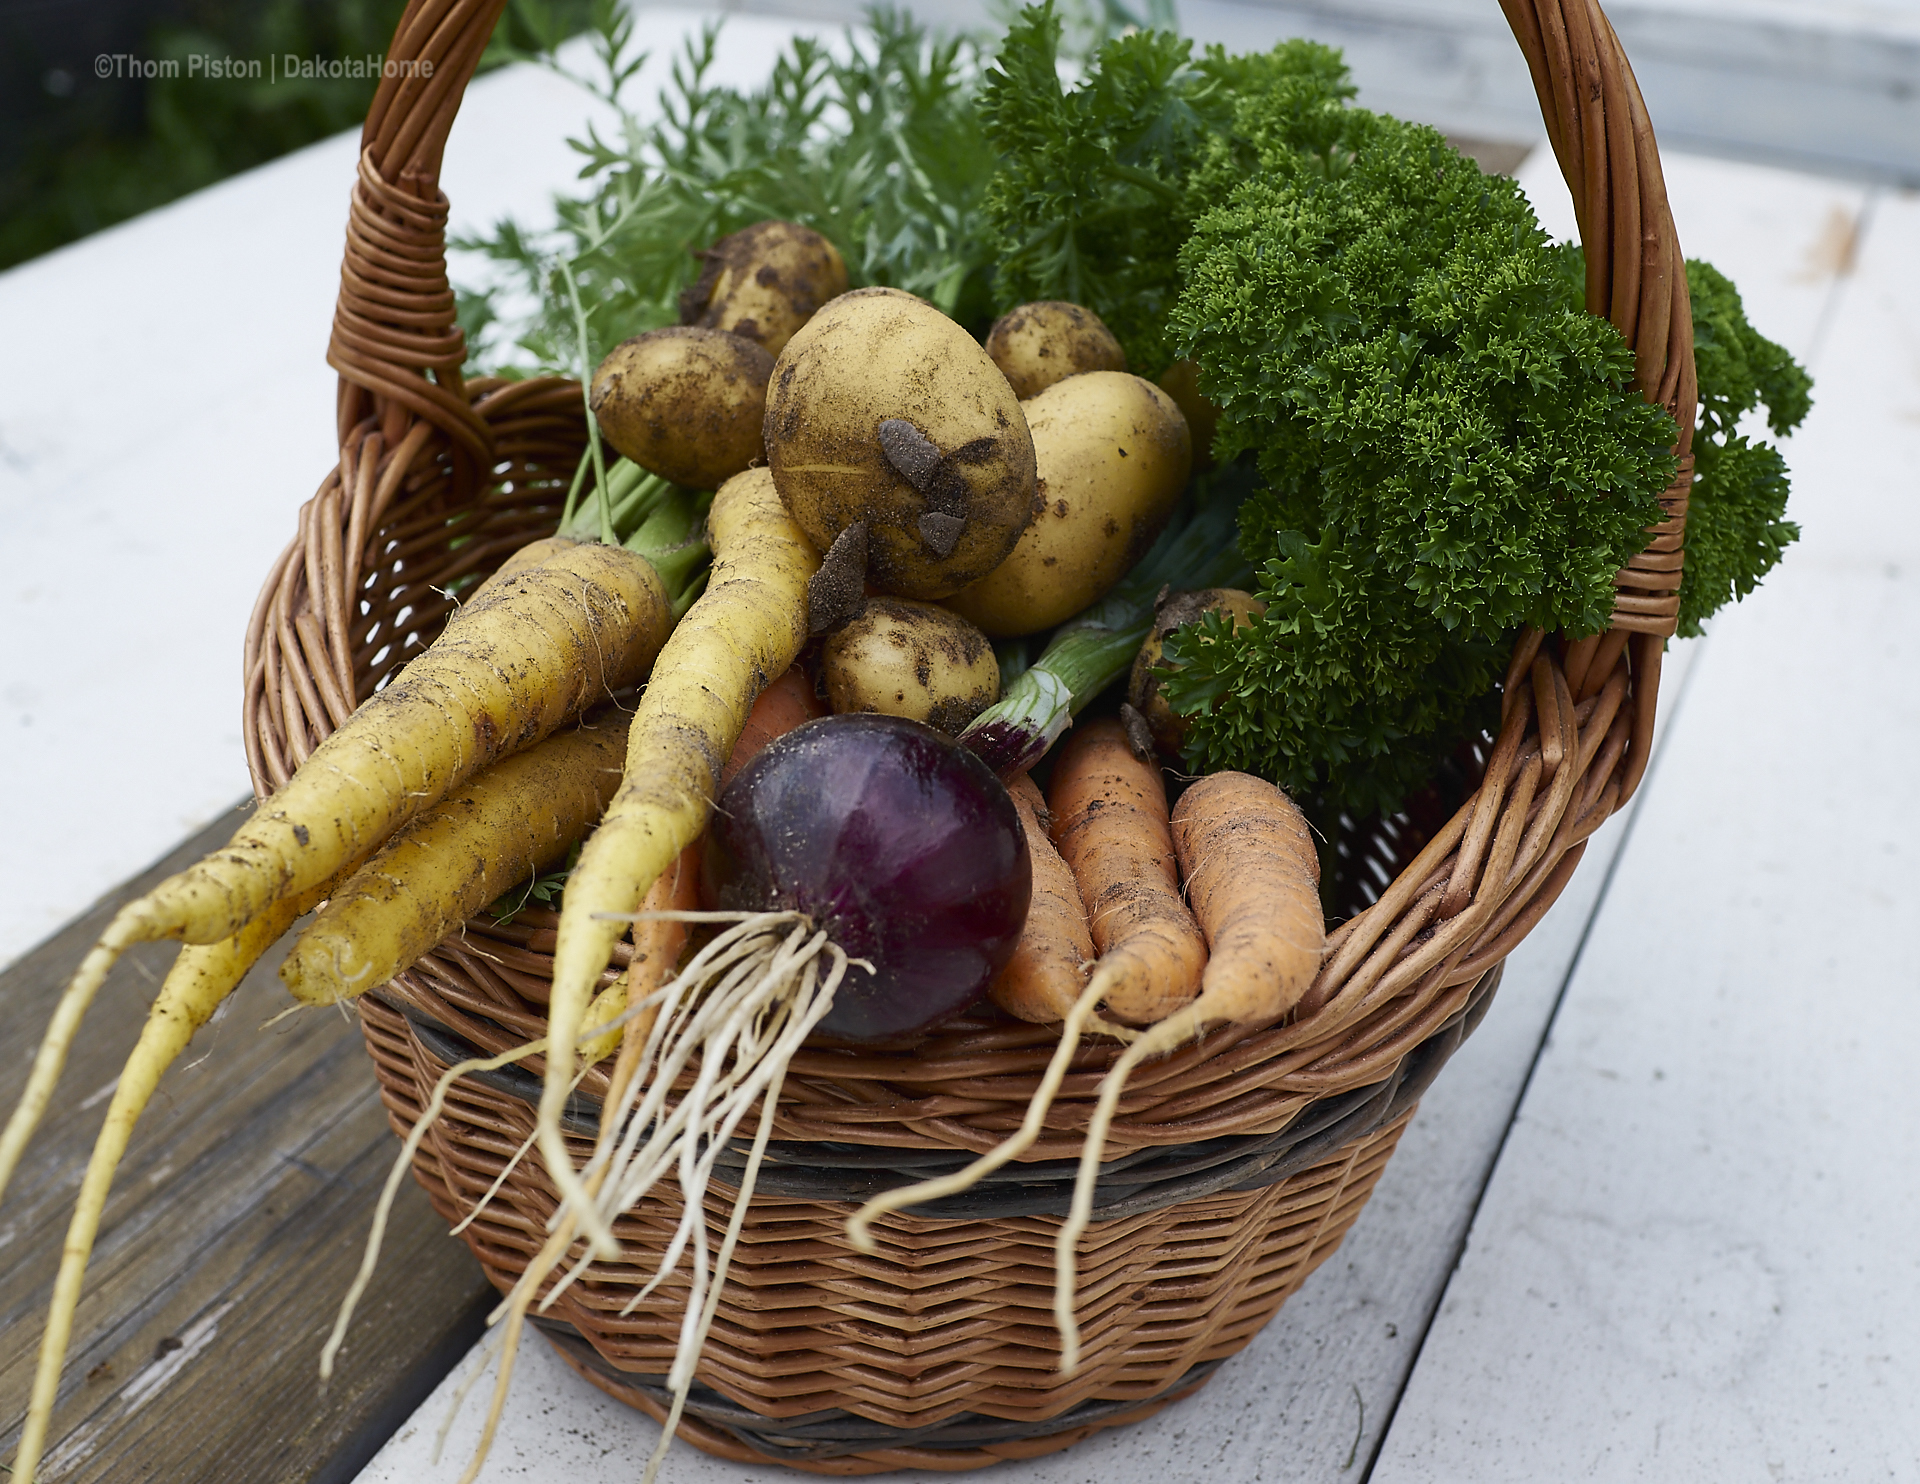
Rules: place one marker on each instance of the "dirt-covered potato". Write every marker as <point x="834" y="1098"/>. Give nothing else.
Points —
<point x="686" y="403"/>
<point x="1039" y="344"/>
<point x="884" y="411"/>
<point x="1113" y="457"/>
<point x="1181" y="381"/>
<point x="1169" y="728"/>
<point x="905" y="658"/>
<point x="764" y="282"/>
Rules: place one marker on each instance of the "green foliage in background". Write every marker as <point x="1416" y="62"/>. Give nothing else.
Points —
<point x="874" y="143"/>
<point x="78" y="167"/>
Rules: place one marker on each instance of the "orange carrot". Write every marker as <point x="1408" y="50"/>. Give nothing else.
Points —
<point x="1111" y="826"/>
<point x="657" y="943"/>
<point x="1050" y="963"/>
<point x="781" y="707"/>
<point x="1254" y="879"/>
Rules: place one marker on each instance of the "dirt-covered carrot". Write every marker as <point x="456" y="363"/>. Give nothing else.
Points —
<point x="530" y="555"/>
<point x="657" y="944"/>
<point x="628" y="1009"/>
<point x="745" y="629"/>
<point x="1111" y="825"/>
<point x="202" y="976"/>
<point x="660" y="932"/>
<point x="512" y="665"/>
<point x="492" y="832"/>
<point x="1253" y="877"/>
<point x="1049" y="968"/>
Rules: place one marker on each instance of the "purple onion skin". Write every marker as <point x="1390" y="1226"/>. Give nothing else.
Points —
<point x="899" y="842"/>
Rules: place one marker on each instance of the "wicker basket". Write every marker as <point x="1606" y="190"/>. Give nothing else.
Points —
<point x="1235" y="1166"/>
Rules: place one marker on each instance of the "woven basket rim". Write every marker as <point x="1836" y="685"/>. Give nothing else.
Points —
<point x="424" y="453"/>
<point x="441" y="477"/>
<point x="1143" y="1179"/>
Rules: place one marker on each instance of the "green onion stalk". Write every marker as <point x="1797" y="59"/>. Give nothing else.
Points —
<point x="1087" y="654"/>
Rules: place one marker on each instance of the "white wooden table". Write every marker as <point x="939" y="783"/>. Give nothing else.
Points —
<point x="1657" y="1218"/>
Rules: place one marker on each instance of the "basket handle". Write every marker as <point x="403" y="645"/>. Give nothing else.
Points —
<point x="399" y="352"/>
<point x="395" y="341"/>
<point x="1636" y="276"/>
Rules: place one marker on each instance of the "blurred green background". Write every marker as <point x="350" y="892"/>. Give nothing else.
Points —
<point x="79" y="152"/>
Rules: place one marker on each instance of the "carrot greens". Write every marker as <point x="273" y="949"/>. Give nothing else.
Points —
<point x="875" y="143"/>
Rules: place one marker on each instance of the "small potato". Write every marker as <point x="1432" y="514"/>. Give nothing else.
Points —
<point x="1039" y="344"/>
<point x="884" y="411"/>
<point x="910" y="659"/>
<point x="1168" y="727"/>
<point x="685" y="403"/>
<point x="1113" y="457"/>
<point x="764" y="282"/>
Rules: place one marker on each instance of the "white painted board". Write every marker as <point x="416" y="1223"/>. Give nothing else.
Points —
<point x="1696" y="1259"/>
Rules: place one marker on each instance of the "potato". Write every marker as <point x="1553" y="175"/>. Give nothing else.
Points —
<point x="764" y="282"/>
<point x="884" y="411"/>
<point x="686" y="403"/>
<point x="905" y="658"/>
<point x="1181" y="381"/>
<point x="1168" y="727"/>
<point x="1039" y="344"/>
<point x="1113" y="458"/>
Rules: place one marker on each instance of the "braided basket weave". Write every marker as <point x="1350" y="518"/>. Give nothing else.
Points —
<point x="1234" y="1167"/>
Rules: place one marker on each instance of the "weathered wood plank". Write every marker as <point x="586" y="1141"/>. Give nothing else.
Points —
<point x="1696" y="1259"/>
<point x="233" y="1230"/>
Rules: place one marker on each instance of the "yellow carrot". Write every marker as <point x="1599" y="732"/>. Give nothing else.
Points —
<point x="745" y="630"/>
<point x="517" y="662"/>
<point x="461" y="854"/>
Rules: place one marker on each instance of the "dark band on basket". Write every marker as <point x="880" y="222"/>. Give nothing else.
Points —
<point x="1132" y="1185"/>
<point x="835" y="1434"/>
